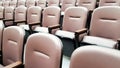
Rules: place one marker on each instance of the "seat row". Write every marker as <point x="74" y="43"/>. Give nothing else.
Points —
<point x="36" y="53"/>
<point x="90" y="4"/>
<point x="74" y="20"/>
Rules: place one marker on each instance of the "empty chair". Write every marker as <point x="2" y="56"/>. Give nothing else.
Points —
<point x="74" y="20"/>
<point x="53" y="2"/>
<point x="6" y="3"/>
<point x="109" y="3"/>
<point x="38" y="50"/>
<point x="41" y="3"/>
<point x="1" y="3"/>
<point x="95" y="57"/>
<point x="20" y="15"/>
<point x="12" y="47"/>
<point x="33" y="16"/>
<point x="1" y="12"/>
<point x="30" y="3"/>
<point x="21" y="3"/>
<point x="66" y="4"/>
<point x="104" y="27"/>
<point x="50" y="18"/>
<point x="8" y="16"/>
<point x="1" y="35"/>
<point x="13" y="3"/>
<point x="89" y="4"/>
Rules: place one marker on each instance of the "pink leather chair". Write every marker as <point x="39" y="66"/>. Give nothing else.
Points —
<point x="8" y="16"/>
<point x="13" y="3"/>
<point x="51" y="16"/>
<point x="41" y="3"/>
<point x="21" y="3"/>
<point x="1" y="3"/>
<point x="74" y="20"/>
<point x="20" y="15"/>
<point x="12" y="46"/>
<point x="30" y="3"/>
<point x="109" y="3"/>
<point x="33" y="17"/>
<point x="95" y="57"/>
<point x="53" y="2"/>
<point x="66" y="4"/>
<point x="6" y="3"/>
<point x="39" y="54"/>
<point x="104" y="27"/>
<point x="1" y="12"/>
<point x="89" y="4"/>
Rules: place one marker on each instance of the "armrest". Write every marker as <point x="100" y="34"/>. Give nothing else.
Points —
<point x="78" y="32"/>
<point x="34" y="24"/>
<point x="7" y="20"/>
<point x="15" y="22"/>
<point x="31" y="25"/>
<point x="50" y="28"/>
<point x="14" y="65"/>
<point x="1" y="18"/>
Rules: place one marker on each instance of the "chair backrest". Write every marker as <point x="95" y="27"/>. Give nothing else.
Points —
<point x="1" y="12"/>
<point x="30" y="3"/>
<point x="21" y="3"/>
<point x="8" y="14"/>
<point x="1" y="3"/>
<point x="106" y="24"/>
<point x="74" y="18"/>
<point x="38" y="50"/>
<point x="109" y="3"/>
<point x="89" y="4"/>
<point x="51" y="16"/>
<point x="6" y="3"/>
<point x="95" y="57"/>
<point x="1" y="33"/>
<point x="13" y="3"/>
<point x="12" y="47"/>
<point x="20" y="13"/>
<point x="67" y="3"/>
<point x="53" y="2"/>
<point x="34" y="14"/>
<point x="41" y="3"/>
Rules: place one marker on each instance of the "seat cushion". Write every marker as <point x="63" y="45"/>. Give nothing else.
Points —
<point x="65" y="34"/>
<point x="26" y="27"/>
<point x="100" y="41"/>
<point x="1" y="66"/>
<point x="41" y="29"/>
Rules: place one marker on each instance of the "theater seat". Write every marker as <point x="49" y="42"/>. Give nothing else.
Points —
<point x="104" y="27"/>
<point x="73" y="21"/>
<point x="109" y="3"/>
<point x="41" y="3"/>
<point x="51" y="16"/>
<point x="39" y="54"/>
<point x="12" y="47"/>
<point x="95" y="57"/>
<point x="53" y="2"/>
